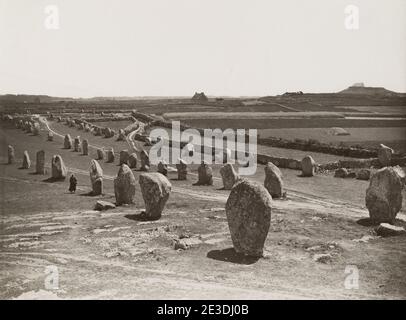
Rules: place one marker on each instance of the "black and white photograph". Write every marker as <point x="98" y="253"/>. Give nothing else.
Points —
<point x="202" y="150"/>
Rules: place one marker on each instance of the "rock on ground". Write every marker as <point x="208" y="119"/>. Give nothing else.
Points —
<point x="145" y="164"/>
<point x="104" y="205"/>
<point x="10" y="154"/>
<point x="273" y="180"/>
<point x="85" y="147"/>
<point x="96" y="177"/>
<point x="40" y="162"/>
<point x="162" y="168"/>
<point x="385" y="155"/>
<point x="205" y="175"/>
<point x="308" y="166"/>
<point x="384" y="195"/>
<point x="388" y="230"/>
<point x="124" y="186"/>
<point x="26" y="160"/>
<point x="248" y="211"/>
<point x="76" y="144"/>
<point x="50" y="136"/>
<point x="59" y="170"/>
<point x="229" y="176"/>
<point x="132" y="160"/>
<point x="100" y="154"/>
<point x="341" y="173"/>
<point x="110" y="155"/>
<point x="124" y="157"/>
<point x="155" y="189"/>
<point x="363" y="174"/>
<point x="67" y="143"/>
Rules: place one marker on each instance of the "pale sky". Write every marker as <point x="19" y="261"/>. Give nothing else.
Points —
<point x="221" y="47"/>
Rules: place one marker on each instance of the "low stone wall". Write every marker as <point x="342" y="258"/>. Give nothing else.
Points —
<point x="280" y="162"/>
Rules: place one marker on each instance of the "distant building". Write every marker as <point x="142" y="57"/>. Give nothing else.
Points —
<point x="199" y="97"/>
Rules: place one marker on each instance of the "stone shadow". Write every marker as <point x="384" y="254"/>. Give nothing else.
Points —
<point x="140" y="217"/>
<point x="230" y="255"/>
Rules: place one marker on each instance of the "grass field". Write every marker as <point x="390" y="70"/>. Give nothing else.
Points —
<point x="115" y="125"/>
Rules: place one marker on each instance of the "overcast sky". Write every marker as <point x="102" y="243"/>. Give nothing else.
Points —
<point x="221" y="47"/>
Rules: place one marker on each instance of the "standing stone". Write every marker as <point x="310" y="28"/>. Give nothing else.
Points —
<point x="401" y="174"/>
<point x="124" y="186"/>
<point x="100" y="154"/>
<point x="85" y="147"/>
<point x="273" y="180"/>
<point x="308" y="166"/>
<point x="124" y="157"/>
<point x="363" y="174"/>
<point x="341" y="173"/>
<point x="67" y="144"/>
<point x="248" y="211"/>
<point x="11" y="154"/>
<point x="385" y="155"/>
<point x="50" y="136"/>
<point x="155" y="190"/>
<point x="110" y="155"/>
<point x="35" y="129"/>
<point x="121" y="135"/>
<point x="384" y="195"/>
<point x="229" y="176"/>
<point x="76" y="144"/>
<point x="59" y="170"/>
<point x="132" y="160"/>
<point x="26" y="160"/>
<point x="182" y="169"/>
<point x="162" y="168"/>
<point x="145" y="164"/>
<point x="205" y="175"/>
<point x="96" y="177"/>
<point x="40" y="163"/>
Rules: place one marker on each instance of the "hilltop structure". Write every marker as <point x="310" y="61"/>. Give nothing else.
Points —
<point x="200" y="97"/>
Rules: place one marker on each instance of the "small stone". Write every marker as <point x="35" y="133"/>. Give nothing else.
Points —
<point x="205" y="175"/>
<point x="100" y="154"/>
<point x="181" y="167"/>
<point x="59" y="170"/>
<point x="67" y="144"/>
<point x="132" y="160"/>
<point x="388" y="230"/>
<point x="322" y="257"/>
<point x="273" y="180"/>
<point x="308" y="166"/>
<point x="162" y="168"/>
<point x="145" y="164"/>
<point x="85" y="147"/>
<point x="26" y="160"/>
<point x="363" y="174"/>
<point x="341" y="173"/>
<point x="124" y="157"/>
<point x="96" y="177"/>
<point x="11" y="154"/>
<point x="40" y="162"/>
<point x="104" y="205"/>
<point x="110" y="155"/>
<point x="124" y="186"/>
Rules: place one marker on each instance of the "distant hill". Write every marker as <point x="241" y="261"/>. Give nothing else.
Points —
<point x="28" y="98"/>
<point x="370" y="91"/>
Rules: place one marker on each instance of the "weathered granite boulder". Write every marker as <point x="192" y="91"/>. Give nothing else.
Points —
<point x="341" y="173"/>
<point x="155" y="189"/>
<point x="388" y="230"/>
<point x="124" y="186"/>
<point x="182" y="169"/>
<point x="26" y="160"/>
<point x="104" y="205"/>
<point x="385" y="155"/>
<point x="50" y="136"/>
<point x="162" y="168"/>
<point x="67" y="144"/>
<point x="363" y="174"/>
<point x="100" y="154"/>
<point x="132" y="160"/>
<point x="10" y="154"/>
<point x="205" y="175"/>
<point x="384" y="195"/>
<point x="121" y="135"/>
<point x="229" y="176"/>
<point x="273" y="180"/>
<point x="248" y="211"/>
<point x="59" y="170"/>
<point x="308" y="166"/>
<point x="110" y="155"/>
<point x="124" y="157"/>
<point x="40" y="162"/>
<point x="145" y="164"/>
<point x="85" y="147"/>
<point x="76" y="144"/>
<point x="96" y="177"/>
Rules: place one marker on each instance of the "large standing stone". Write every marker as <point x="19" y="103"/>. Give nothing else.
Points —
<point x="155" y="190"/>
<point x="182" y="169"/>
<point x="385" y="155"/>
<point x="100" y="154"/>
<point x="40" y="163"/>
<point x="67" y="144"/>
<point x="132" y="160"/>
<point x="248" y="211"/>
<point x="145" y="164"/>
<point x="11" y="154"/>
<point x="124" y="186"/>
<point x="273" y="180"/>
<point x="96" y="177"/>
<point x="229" y="176"/>
<point x="26" y="160"/>
<point x="205" y="175"/>
<point x="124" y="157"/>
<point x="308" y="166"/>
<point x="85" y="147"/>
<point x="162" y="168"/>
<point x="59" y="170"/>
<point x="110" y="155"/>
<point x="76" y="144"/>
<point x="384" y="195"/>
<point x="50" y="136"/>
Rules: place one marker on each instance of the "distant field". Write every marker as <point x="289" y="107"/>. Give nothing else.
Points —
<point x="115" y="125"/>
<point x="379" y="109"/>
<point x="255" y="115"/>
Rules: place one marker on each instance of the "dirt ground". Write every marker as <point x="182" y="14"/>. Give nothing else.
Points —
<point x="115" y="255"/>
